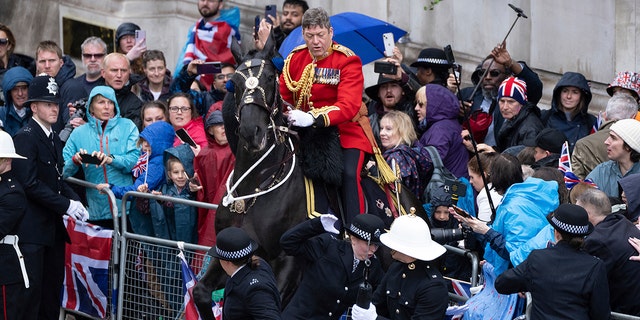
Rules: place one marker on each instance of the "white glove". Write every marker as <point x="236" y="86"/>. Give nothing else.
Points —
<point x="328" y="223"/>
<point x="77" y="211"/>
<point x="300" y="118"/>
<point x="358" y="313"/>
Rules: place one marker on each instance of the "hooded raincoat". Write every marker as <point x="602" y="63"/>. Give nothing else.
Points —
<point x="443" y="129"/>
<point x="11" y="121"/>
<point x="580" y="124"/>
<point x="117" y="137"/>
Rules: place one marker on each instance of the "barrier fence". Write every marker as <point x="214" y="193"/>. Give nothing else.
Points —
<point x="145" y="272"/>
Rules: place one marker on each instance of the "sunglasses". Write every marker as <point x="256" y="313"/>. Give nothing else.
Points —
<point x="494" y="73"/>
<point x="222" y="76"/>
<point x="93" y="55"/>
<point x="4" y="41"/>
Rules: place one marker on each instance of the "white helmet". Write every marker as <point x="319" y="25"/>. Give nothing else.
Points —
<point x="410" y="235"/>
<point x="6" y="147"/>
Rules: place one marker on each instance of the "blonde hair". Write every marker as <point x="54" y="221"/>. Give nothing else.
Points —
<point x="403" y="125"/>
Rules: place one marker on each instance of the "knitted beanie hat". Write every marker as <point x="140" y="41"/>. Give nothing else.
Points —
<point x="629" y="131"/>
<point x="514" y="88"/>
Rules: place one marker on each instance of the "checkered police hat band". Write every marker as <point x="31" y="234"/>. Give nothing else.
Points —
<point x="234" y="255"/>
<point x="569" y="228"/>
<point x="433" y="60"/>
<point x="361" y="233"/>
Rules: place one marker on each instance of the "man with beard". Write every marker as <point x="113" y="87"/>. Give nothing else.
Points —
<point x="93" y="51"/>
<point x="209" y="38"/>
<point x="501" y="66"/>
<point x="292" y="11"/>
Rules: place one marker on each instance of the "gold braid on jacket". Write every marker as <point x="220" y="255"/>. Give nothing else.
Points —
<point x="302" y="88"/>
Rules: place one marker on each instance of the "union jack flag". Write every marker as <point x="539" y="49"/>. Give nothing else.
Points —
<point x="86" y="277"/>
<point x="141" y="165"/>
<point x="564" y="163"/>
<point x="189" y="281"/>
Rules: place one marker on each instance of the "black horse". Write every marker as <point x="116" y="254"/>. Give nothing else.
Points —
<point x="266" y="192"/>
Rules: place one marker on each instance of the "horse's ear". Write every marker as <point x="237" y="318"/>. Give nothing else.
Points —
<point x="236" y="50"/>
<point x="270" y="46"/>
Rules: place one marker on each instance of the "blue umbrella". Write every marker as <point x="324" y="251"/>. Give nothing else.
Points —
<point x="358" y="32"/>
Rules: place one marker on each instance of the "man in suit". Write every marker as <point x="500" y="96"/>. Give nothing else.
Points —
<point x="42" y="231"/>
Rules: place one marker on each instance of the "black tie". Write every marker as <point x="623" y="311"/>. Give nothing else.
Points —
<point x="51" y="139"/>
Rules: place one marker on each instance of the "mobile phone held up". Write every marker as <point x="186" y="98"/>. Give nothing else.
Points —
<point x="140" y="35"/>
<point x="89" y="159"/>
<point x="256" y="26"/>
<point x="270" y="10"/>
<point x="209" y="67"/>
<point x="185" y="137"/>
<point x="389" y="44"/>
<point x="385" y="67"/>
<point x="461" y="211"/>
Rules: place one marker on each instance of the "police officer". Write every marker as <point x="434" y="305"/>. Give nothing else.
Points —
<point x="413" y="288"/>
<point x="251" y="292"/>
<point x="334" y="268"/>
<point x="42" y="230"/>
<point x="13" y="204"/>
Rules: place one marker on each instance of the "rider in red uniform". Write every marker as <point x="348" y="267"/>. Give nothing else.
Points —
<point x="323" y="81"/>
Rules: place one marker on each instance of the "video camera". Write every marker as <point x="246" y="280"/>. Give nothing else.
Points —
<point x="81" y="112"/>
<point x="444" y="236"/>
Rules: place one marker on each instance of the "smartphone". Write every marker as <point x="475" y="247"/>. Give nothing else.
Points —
<point x="195" y="181"/>
<point x="256" y="26"/>
<point x="185" y="137"/>
<point x="209" y="67"/>
<point x="457" y="68"/>
<point x="389" y="44"/>
<point x="270" y="10"/>
<point x="460" y="211"/>
<point x="385" y="67"/>
<point x="87" y="158"/>
<point x="141" y="35"/>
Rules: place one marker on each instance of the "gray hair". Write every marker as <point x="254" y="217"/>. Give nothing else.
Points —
<point x="596" y="199"/>
<point x="96" y="41"/>
<point x="621" y="106"/>
<point x="316" y="17"/>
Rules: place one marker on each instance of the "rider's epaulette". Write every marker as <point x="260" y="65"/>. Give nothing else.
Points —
<point x="298" y="48"/>
<point x="340" y="48"/>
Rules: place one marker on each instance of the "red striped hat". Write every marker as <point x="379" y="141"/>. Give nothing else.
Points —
<point x="514" y="88"/>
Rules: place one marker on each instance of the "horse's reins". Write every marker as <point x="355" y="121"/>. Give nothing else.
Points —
<point x="251" y="84"/>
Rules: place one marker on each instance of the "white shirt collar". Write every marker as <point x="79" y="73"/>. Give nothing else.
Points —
<point x="47" y="131"/>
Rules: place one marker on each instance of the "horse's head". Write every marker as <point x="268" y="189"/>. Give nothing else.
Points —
<point x="257" y="99"/>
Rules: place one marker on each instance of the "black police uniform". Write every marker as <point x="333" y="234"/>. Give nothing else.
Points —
<point x="252" y="294"/>
<point x="411" y="291"/>
<point x="42" y="230"/>
<point x="329" y="285"/>
<point x="13" y="205"/>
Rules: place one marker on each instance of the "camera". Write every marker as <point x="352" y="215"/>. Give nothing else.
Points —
<point x="81" y="112"/>
<point x="385" y="67"/>
<point x="444" y="236"/>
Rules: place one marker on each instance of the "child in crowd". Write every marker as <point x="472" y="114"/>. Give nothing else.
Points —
<point x="148" y="173"/>
<point x="175" y="221"/>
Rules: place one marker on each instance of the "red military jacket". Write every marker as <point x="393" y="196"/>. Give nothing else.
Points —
<point x="336" y="93"/>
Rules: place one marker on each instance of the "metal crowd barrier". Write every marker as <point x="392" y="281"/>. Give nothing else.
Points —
<point x="115" y="251"/>
<point x="150" y="284"/>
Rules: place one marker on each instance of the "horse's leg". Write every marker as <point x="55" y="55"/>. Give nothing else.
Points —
<point x="213" y="279"/>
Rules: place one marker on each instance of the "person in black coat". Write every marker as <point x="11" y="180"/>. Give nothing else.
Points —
<point x="522" y="119"/>
<point x="13" y="204"/>
<point x="608" y="241"/>
<point x="412" y="288"/>
<point x="334" y="268"/>
<point x="565" y="282"/>
<point x="42" y="231"/>
<point x="251" y="291"/>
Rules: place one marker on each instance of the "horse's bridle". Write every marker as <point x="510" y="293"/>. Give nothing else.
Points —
<point x="252" y="84"/>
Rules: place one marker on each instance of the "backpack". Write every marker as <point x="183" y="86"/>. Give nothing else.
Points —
<point x="440" y="178"/>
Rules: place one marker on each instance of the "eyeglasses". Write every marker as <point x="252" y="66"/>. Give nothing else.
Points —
<point x="494" y="73"/>
<point x="4" y="41"/>
<point x="93" y="55"/>
<point x="181" y="109"/>
<point x="223" y="76"/>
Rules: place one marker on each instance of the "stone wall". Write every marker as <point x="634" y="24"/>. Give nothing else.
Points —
<point x="593" y="37"/>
